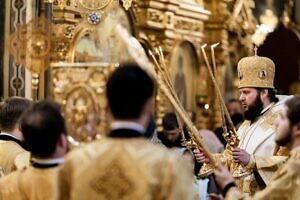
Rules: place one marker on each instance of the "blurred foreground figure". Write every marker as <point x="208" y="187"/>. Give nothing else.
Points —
<point x="44" y="132"/>
<point x="125" y="165"/>
<point x="13" y="155"/>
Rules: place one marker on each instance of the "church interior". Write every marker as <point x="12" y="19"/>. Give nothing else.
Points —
<point x="65" y="50"/>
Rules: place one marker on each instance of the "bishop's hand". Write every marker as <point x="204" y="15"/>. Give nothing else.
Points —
<point x="241" y="156"/>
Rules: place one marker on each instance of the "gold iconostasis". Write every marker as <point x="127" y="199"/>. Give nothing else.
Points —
<point x="94" y="49"/>
<point x="85" y="49"/>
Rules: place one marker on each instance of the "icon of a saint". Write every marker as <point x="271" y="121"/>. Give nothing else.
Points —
<point x="179" y="83"/>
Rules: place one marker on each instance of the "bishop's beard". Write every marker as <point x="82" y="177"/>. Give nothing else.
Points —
<point x="254" y="109"/>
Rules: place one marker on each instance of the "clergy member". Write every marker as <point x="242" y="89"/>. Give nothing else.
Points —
<point x="125" y="165"/>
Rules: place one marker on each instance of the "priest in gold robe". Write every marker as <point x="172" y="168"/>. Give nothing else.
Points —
<point x="125" y="165"/>
<point x="257" y="150"/>
<point x="257" y="153"/>
<point x="285" y="182"/>
<point x="45" y="135"/>
<point x="13" y="155"/>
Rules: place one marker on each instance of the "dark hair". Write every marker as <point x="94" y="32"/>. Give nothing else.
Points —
<point x="293" y="111"/>
<point x="272" y="94"/>
<point x="127" y="90"/>
<point x="11" y="110"/>
<point x="169" y="121"/>
<point x="42" y="126"/>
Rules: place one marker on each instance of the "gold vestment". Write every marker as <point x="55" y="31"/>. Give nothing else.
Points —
<point x="31" y="183"/>
<point x="12" y="157"/>
<point x="258" y="139"/>
<point x="125" y="168"/>
<point x="283" y="185"/>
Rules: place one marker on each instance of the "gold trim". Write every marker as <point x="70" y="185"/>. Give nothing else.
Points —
<point x="100" y="4"/>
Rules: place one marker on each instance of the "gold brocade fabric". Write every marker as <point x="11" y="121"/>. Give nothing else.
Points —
<point x="125" y="169"/>
<point x="282" y="151"/>
<point x="12" y="157"/>
<point x="31" y="183"/>
<point x="258" y="139"/>
<point x="284" y="184"/>
<point x="256" y="72"/>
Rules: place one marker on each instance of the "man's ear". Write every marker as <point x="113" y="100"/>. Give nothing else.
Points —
<point x="264" y="93"/>
<point x="62" y="140"/>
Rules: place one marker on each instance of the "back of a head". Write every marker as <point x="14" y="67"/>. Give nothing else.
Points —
<point x="237" y="103"/>
<point x="293" y="109"/>
<point x="235" y="109"/>
<point x="169" y="121"/>
<point x="11" y="110"/>
<point x="42" y="124"/>
<point x="212" y="142"/>
<point x="127" y="90"/>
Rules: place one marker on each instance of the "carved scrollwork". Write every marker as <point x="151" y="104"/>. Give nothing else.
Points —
<point x="127" y="4"/>
<point x="79" y="88"/>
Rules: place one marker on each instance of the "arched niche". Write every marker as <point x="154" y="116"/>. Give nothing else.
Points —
<point x="183" y="71"/>
<point x="100" y="43"/>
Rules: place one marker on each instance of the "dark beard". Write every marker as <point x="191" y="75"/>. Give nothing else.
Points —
<point x="285" y="141"/>
<point x="254" y="109"/>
